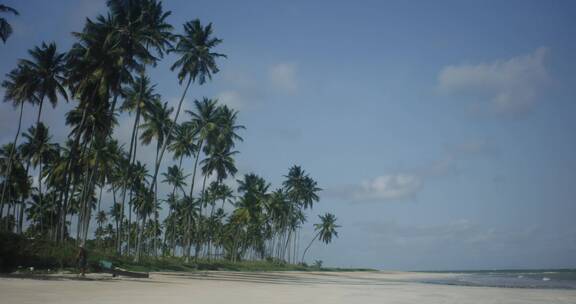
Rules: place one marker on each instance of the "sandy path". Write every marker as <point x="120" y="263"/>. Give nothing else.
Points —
<point x="254" y="288"/>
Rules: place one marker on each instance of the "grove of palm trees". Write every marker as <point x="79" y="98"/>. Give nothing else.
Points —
<point x="58" y="192"/>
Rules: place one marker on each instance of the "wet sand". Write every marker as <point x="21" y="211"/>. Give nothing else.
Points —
<point x="263" y="287"/>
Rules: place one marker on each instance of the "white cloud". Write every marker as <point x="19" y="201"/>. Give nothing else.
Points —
<point x="283" y="77"/>
<point x="406" y="184"/>
<point x="232" y="99"/>
<point x="509" y="85"/>
<point x="390" y="187"/>
<point x="383" y="188"/>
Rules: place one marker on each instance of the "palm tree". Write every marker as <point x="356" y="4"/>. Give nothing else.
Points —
<point x="19" y="89"/>
<point x="140" y="97"/>
<point x="227" y="128"/>
<point x="155" y="126"/>
<point x="107" y="50"/>
<point x="325" y="230"/>
<point x="139" y="26"/>
<point x="183" y="142"/>
<point x="225" y="193"/>
<point x="48" y="67"/>
<point x="197" y="63"/>
<point x="101" y="218"/>
<point x="302" y="191"/>
<point x="143" y="203"/>
<point x="114" y="212"/>
<point x="157" y="120"/>
<point x="175" y="177"/>
<point x="38" y="149"/>
<point x="221" y="162"/>
<point x="15" y="180"/>
<point x="5" y="27"/>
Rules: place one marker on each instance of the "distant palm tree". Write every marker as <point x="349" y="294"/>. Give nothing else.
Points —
<point x="5" y="27"/>
<point x="101" y="218"/>
<point x="325" y="230"/>
<point x="302" y="191"/>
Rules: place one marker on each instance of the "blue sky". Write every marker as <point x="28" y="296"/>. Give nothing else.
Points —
<point x="440" y="131"/>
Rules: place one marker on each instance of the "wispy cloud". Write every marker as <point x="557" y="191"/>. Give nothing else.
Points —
<point x="232" y="99"/>
<point x="283" y="77"/>
<point x="510" y="85"/>
<point x="384" y="188"/>
<point x="405" y="185"/>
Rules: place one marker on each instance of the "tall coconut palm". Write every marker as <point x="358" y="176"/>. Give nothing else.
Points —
<point x="139" y="27"/>
<point x="204" y="120"/>
<point x="157" y="121"/>
<point x="325" y="230"/>
<point x="143" y="202"/>
<point x="111" y="47"/>
<point x="175" y="177"/>
<point x="5" y="27"/>
<point x="140" y="97"/>
<point x="115" y="214"/>
<point x="155" y="126"/>
<point x="183" y="143"/>
<point x="302" y="191"/>
<point x="197" y="63"/>
<point x="19" y="89"/>
<point x="227" y="135"/>
<point x="220" y="161"/>
<point x="38" y="149"/>
<point x="14" y="179"/>
<point x="48" y="67"/>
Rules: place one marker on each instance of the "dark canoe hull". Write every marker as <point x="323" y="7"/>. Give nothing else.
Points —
<point x="118" y="272"/>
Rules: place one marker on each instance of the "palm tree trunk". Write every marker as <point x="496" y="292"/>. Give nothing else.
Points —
<point x="133" y="142"/>
<point x="306" y="250"/>
<point x="35" y="134"/>
<point x="88" y="195"/>
<point x="200" y="217"/>
<point x="139" y="243"/>
<point x="170" y="130"/>
<point x="8" y="171"/>
<point x="40" y="185"/>
<point x="40" y="110"/>
<point x="188" y="223"/>
<point x="23" y="205"/>
<point x="156" y="202"/>
<point x="68" y="176"/>
<point x="100" y="198"/>
<point x="286" y="245"/>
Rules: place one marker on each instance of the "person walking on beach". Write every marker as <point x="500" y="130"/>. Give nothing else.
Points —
<point x="82" y="259"/>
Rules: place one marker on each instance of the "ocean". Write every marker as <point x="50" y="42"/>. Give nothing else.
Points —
<point x="549" y="279"/>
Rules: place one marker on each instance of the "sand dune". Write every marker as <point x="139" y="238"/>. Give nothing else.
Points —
<point x="263" y="287"/>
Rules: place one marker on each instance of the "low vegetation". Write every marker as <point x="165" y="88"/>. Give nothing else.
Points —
<point x="18" y="254"/>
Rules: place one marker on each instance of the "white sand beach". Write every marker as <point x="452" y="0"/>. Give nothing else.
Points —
<point x="264" y="287"/>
